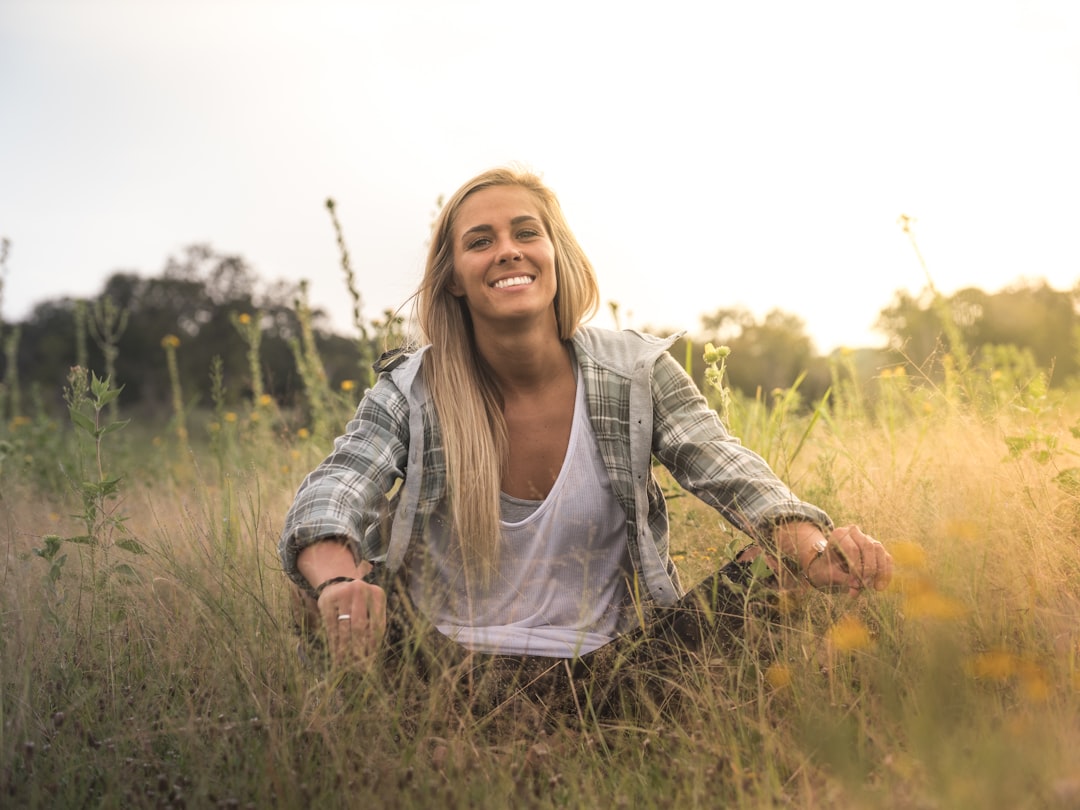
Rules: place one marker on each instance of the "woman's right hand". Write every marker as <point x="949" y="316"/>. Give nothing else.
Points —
<point x="353" y="611"/>
<point x="354" y="615"/>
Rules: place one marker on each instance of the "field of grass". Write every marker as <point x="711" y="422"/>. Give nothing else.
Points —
<point x="148" y="656"/>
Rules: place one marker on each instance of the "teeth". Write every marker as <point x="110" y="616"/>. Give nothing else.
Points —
<point x="512" y="282"/>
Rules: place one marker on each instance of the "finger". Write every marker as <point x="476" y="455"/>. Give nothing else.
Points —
<point x="883" y="574"/>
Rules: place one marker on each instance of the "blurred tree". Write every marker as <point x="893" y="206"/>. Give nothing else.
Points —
<point x="766" y="354"/>
<point x="193" y="298"/>
<point x="1029" y="316"/>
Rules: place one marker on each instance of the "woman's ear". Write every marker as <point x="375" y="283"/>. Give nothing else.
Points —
<point x="453" y="287"/>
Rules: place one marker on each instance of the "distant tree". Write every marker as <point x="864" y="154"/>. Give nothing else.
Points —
<point x="767" y="354"/>
<point x="194" y="298"/>
<point x="1028" y="316"/>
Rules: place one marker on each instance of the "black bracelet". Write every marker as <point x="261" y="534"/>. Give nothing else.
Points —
<point x="317" y="592"/>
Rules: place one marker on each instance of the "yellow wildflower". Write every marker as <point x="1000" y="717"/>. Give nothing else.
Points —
<point x="347" y="385"/>
<point x="265" y="400"/>
<point x="993" y="665"/>
<point x="929" y="604"/>
<point x="778" y="676"/>
<point x="849" y="634"/>
<point x="244" y="318"/>
<point x="230" y="417"/>
<point x="965" y="530"/>
<point x="303" y="433"/>
<point x="170" y="342"/>
<point x="908" y="554"/>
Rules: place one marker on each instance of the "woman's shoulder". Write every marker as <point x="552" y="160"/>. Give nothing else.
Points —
<point x="624" y="351"/>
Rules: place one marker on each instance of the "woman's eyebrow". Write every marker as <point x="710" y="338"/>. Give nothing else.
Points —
<point x="487" y="228"/>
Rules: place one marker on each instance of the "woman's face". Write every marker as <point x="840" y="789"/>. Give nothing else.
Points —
<point x="504" y="260"/>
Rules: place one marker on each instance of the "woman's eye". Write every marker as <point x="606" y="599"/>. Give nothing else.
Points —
<point x="483" y="241"/>
<point x="528" y="233"/>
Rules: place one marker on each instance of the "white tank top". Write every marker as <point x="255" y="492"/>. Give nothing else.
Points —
<point x="561" y="586"/>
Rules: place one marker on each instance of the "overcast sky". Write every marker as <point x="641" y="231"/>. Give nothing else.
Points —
<point x="707" y="155"/>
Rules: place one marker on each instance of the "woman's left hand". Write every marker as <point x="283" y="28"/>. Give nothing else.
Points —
<point x="848" y="559"/>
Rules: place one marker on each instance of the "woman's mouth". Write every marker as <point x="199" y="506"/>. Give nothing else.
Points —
<point x="516" y="281"/>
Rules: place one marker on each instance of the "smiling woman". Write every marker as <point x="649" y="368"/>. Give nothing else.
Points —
<point x="528" y="523"/>
<point x="504" y="261"/>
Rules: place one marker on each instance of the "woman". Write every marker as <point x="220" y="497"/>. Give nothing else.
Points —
<point x="528" y="521"/>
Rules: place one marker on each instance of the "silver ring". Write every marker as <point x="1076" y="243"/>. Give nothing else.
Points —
<point x="343" y="617"/>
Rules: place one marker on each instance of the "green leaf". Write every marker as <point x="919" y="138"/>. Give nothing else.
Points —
<point x="108" y="396"/>
<point x="81" y="539"/>
<point x="131" y="544"/>
<point x="112" y="427"/>
<point x="126" y="572"/>
<point x="81" y="420"/>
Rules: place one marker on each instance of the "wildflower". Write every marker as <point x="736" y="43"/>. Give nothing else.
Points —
<point x="886" y="373"/>
<point x="265" y="400"/>
<point x="899" y="371"/>
<point x="170" y="342"/>
<point x="714" y="354"/>
<point x="908" y="554"/>
<point x="993" y="665"/>
<point x="929" y="604"/>
<point x="294" y="455"/>
<point x="778" y="676"/>
<point x="214" y="427"/>
<point x="19" y="421"/>
<point x="965" y="530"/>
<point x="911" y="583"/>
<point x="303" y="433"/>
<point x="849" y="634"/>
<point x="244" y="318"/>
<point x="347" y="385"/>
<point x="1033" y="683"/>
<point x="230" y="417"/>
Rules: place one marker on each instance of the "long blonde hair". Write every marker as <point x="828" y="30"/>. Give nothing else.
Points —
<point x="467" y="401"/>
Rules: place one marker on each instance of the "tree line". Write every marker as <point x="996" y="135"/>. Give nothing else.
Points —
<point x="201" y="293"/>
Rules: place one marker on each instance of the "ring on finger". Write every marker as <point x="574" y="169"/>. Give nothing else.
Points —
<point x="344" y="617"/>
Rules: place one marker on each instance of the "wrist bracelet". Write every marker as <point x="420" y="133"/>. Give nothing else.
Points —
<point x="317" y="592"/>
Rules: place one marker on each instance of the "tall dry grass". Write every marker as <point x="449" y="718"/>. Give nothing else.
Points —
<point x="181" y="685"/>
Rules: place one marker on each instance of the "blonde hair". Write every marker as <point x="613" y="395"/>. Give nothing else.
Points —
<point x="467" y="400"/>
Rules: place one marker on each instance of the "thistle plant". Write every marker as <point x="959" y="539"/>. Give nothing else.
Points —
<point x="170" y="343"/>
<point x="107" y="324"/>
<point x="103" y="525"/>
<point x="309" y="364"/>
<point x="715" y="366"/>
<point x="250" y="331"/>
<point x="363" y="340"/>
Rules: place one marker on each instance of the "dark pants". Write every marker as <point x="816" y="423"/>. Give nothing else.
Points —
<point x="642" y="667"/>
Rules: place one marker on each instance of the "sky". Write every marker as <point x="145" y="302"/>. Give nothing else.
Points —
<point x="707" y="155"/>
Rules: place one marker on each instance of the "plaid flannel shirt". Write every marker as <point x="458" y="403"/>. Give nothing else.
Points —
<point x="642" y="405"/>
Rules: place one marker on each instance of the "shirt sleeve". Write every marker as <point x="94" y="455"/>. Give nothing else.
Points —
<point x="691" y="441"/>
<point x="346" y="495"/>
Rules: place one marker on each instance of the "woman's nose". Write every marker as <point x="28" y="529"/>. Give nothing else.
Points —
<point x="508" y="252"/>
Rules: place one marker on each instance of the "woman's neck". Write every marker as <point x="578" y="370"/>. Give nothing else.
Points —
<point x="525" y="360"/>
